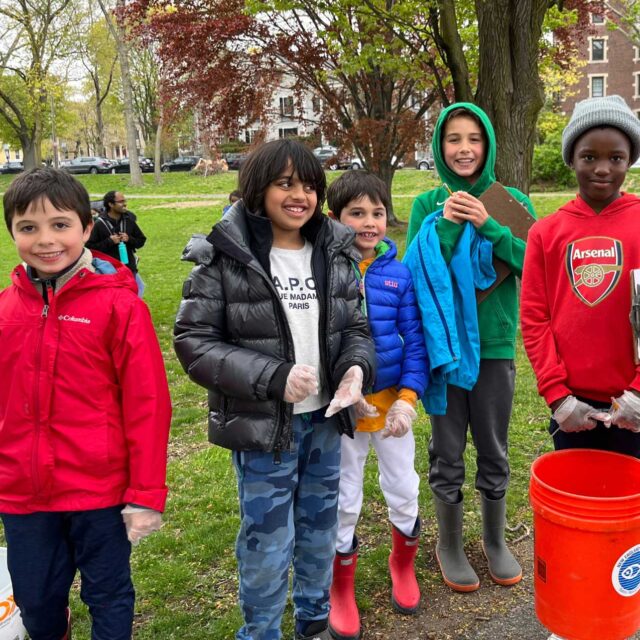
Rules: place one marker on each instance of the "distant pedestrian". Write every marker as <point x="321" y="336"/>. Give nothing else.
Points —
<point x="116" y="233"/>
<point x="234" y="196"/>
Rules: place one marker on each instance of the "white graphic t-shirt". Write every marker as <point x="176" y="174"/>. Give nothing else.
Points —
<point x="291" y="274"/>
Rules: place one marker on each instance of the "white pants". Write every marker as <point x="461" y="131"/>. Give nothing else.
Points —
<point x="398" y="480"/>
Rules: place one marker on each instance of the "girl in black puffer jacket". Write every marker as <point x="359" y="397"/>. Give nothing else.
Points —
<point x="271" y="325"/>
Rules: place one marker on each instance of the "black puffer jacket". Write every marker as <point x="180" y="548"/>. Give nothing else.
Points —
<point x="232" y="337"/>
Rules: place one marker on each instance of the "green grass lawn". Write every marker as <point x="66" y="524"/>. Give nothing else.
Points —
<point x="185" y="575"/>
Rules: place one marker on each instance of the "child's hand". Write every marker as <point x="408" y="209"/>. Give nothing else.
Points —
<point x="365" y="410"/>
<point x="463" y="207"/>
<point x="302" y="382"/>
<point x="625" y="411"/>
<point x="124" y="237"/>
<point x="115" y="238"/>
<point x="574" y="415"/>
<point x="400" y="417"/>
<point x="349" y="391"/>
<point x="140" y="522"/>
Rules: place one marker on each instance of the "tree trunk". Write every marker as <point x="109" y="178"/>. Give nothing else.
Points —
<point x="385" y="174"/>
<point x="99" y="117"/>
<point x="157" y="172"/>
<point x="119" y="35"/>
<point x="29" y="159"/>
<point x="509" y="85"/>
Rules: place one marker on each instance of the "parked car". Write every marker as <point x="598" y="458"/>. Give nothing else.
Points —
<point x="89" y="164"/>
<point x="325" y="153"/>
<point x="234" y="160"/>
<point x="424" y="162"/>
<point x="12" y="167"/>
<point x="183" y="163"/>
<point x="122" y="165"/>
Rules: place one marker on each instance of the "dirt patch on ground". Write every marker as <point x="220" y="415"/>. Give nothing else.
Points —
<point x="188" y="205"/>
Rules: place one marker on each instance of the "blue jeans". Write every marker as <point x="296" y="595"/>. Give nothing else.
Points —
<point x="288" y="515"/>
<point x="44" y="549"/>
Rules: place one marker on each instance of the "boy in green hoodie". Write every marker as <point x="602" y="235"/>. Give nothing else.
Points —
<point x="464" y="150"/>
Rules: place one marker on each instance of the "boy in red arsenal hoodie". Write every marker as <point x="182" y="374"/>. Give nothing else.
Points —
<point x="84" y="414"/>
<point x="576" y="291"/>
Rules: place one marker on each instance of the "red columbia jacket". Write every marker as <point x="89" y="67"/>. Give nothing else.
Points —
<point x="84" y="401"/>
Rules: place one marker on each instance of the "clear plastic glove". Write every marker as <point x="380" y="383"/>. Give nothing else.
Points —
<point x="302" y="382"/>
<point x="399" y="419"/>
<point x="140" y="522"/>
<point x="574" y="415"/>
<point x="365" y="410"/>
<point x="349" y="391"/>
<point x="625" y="411"/>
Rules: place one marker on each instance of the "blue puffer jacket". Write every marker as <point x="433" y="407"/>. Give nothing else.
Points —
<point x="394" y="320"/>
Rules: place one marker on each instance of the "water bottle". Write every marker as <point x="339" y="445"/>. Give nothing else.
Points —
<point x="122" y="250"/>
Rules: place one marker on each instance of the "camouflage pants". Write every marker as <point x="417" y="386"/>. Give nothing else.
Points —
<point x="288" y="515"/>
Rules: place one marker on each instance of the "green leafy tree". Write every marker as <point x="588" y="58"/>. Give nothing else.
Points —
<point x="36" y="36"/>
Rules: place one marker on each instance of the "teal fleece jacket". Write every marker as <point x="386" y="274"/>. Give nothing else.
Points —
<point x="498" y="313"/>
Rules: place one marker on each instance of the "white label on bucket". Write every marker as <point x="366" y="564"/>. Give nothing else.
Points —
<point x="626" y="572"/>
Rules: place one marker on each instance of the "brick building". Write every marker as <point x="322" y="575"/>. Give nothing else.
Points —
<point x="613" y="66"/>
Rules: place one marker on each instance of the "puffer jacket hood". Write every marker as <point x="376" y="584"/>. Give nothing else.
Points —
<point x="456" y="182"/>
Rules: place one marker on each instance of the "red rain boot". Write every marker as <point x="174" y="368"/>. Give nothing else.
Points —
<point x="344" y="619"/>
<point x="67" y="635"/>
<point x="405" y="593"/>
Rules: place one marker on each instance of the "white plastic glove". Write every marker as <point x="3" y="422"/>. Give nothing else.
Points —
<point x="140" y="522"/>
<point x="399" y="419"/>
<point x="349" y="391"/>
<point x="625" y="411"/>
<point x="302" y="382"/>
<point x="364" y="409"/>
<point x="574" y="415"/>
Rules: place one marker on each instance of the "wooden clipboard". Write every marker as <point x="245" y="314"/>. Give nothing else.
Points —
<point x="507" y="211"/>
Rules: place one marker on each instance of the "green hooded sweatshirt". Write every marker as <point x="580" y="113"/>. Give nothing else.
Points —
<point x="498" y="313"/>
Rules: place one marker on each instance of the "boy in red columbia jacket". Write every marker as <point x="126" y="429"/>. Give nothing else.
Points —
<point x="84" y="414"/>
<point x="576" y="294"/>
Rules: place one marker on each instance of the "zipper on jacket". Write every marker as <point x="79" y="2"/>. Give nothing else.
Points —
<point x="281" y="431"/>
<point x="36" y="391"/>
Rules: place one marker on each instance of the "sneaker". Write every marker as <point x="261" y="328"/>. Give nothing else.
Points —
<point x="553" y="636"/>
<point x="316" y="631"/>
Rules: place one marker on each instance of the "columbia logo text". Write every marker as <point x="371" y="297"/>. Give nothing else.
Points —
<point x="68" y="318"/>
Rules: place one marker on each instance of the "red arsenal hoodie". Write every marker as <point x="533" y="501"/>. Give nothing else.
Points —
<point x="576" y="299"/>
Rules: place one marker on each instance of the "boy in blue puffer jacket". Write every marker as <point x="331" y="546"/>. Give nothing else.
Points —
<point x="360" y="200"/>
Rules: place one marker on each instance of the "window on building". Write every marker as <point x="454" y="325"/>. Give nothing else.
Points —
<point x="316" y="103"/>
<point x="286" y="107"/>
<point x="597" y="86"/>
<point x="636" y="54"/>
<point x="287" y="132"/>
<point x="597" y="18"/>
<point x="250" y="135"/>
<point x="597" y="50"/>
<point x="636" y="84"/>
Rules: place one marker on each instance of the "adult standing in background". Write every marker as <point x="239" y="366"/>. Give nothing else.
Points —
<point x="117" y="234"/>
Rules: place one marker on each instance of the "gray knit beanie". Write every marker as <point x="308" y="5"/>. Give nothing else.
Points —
<point x="610" y="111"/>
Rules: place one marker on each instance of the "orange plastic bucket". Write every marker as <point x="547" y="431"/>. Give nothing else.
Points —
<point x="586" y="506"/>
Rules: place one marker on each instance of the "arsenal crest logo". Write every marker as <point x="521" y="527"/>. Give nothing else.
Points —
<point x="594" y="266"/>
